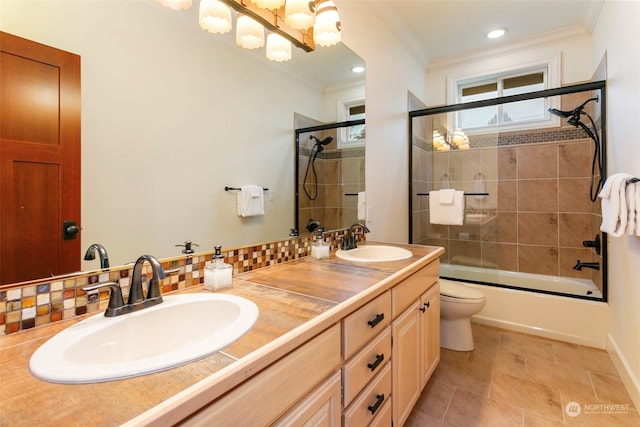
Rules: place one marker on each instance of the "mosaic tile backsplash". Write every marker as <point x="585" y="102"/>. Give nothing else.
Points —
<point x="43" y="302"/>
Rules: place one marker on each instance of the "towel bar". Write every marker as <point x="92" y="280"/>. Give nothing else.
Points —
<point x="227" y="188"/>
<point x="632" y="180"/>
<point x="466" y="194"/>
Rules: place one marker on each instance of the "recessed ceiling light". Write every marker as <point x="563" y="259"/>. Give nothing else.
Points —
<point x="497" y="33"/>
<point x="358" y="69"/>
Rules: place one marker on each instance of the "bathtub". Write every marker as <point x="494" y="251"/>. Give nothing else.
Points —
<point x="511" y="279"/>
<point x="584" y="320"/>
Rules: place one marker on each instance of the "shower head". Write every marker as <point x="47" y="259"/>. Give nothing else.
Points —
<point x="325" y="141"/>
<point x="573" y="115"/>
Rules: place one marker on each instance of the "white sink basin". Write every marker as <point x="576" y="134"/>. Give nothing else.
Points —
<point x="374" y="253"/>
<point x="180" y="330"/>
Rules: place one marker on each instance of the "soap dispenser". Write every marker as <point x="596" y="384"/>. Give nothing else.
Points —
<point x="218" y="274"/>
<point x="320" y="248"/>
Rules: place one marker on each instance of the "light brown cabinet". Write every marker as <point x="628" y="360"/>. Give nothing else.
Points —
<point x="366" y="370"/>
<point x="416" y="338"/>
<point x="430" y="325"/>
<point x="322" y="407"/>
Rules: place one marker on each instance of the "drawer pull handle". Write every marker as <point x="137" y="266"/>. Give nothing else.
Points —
<point x="379" y="318"/>
<point x="426" y="304"/>
<point x="374" y="408"/>
<point x="378" y="361"/>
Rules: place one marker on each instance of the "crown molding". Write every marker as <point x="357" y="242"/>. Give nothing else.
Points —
<point x="387" y="14"/>
<point x="539" y="40"/>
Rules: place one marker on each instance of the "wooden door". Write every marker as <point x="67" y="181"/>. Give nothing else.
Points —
<point x="39" y="160"/>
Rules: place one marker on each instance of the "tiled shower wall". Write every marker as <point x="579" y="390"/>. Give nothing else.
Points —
<point x="340" y="177"/>
<point x="538" y="211"/>
<point x="42" y="302"/>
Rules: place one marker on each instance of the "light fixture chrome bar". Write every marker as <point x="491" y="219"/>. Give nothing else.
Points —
<point x="273" y="20"/>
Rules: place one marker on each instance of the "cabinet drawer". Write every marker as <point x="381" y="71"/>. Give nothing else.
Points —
<point x="410" y="289"/>
<point x="267" y="395"/>
<point x="371" y="401"/>
<point x="362" y="325"/>
<point x="366" y="364"/>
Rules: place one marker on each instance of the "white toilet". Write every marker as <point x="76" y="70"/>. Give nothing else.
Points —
<point x="457" y="304"/>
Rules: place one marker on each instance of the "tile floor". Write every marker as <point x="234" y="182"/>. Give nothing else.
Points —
<point x="514" y="379"/>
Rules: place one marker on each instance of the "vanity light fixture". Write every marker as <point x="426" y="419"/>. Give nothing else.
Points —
<point x="458" y="140"/>
<point x="303" y="23"/>
<point x="214" y="16"/>
<point x="497" y="33"/>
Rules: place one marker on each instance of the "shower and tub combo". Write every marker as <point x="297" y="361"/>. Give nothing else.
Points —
<point x="527" y="245"/>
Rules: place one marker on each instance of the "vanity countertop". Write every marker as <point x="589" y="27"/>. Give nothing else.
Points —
<point x="297" y="300"/>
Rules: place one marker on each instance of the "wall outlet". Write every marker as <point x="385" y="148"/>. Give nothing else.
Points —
<point x="369" y="214"/>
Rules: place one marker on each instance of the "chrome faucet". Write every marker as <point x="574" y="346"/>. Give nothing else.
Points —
<point x="90" y="255"/>
<point x="349" y="239"/>
<point x="137" y="300"/>
<point x="580" y="265"/>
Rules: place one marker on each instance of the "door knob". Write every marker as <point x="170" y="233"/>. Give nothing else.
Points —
<point x="69" y="230"/>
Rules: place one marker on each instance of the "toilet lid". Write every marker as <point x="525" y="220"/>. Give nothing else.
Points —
<point x="457" y="290"/>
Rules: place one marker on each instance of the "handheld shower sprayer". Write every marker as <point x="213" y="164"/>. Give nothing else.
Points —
<point x="573" y="118"/>
<point x="317" y="148"/>
<point x="574" y="114"/>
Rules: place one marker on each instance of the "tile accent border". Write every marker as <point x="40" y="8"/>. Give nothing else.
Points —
<point x="41" y="302"/>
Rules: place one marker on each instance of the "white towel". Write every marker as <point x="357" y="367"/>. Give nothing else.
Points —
<point x="614" y="204"/>
<point x="362" y="206"/>
<point x="445" y="197"/>
<point x="447" y="214"/>
<point x="250" y="200"/>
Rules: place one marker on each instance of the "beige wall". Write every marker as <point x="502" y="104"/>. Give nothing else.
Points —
<point x="617" y="33"/>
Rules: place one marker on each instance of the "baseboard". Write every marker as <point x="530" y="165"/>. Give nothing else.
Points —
<point x="630" y="381"/>
<point x="537" y="331"/>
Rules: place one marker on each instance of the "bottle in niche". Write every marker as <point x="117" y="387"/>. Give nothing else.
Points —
<point x="320" y="248"/>
<point x="217" y="274"/>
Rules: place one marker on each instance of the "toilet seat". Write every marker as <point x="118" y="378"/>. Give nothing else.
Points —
<point x="457" y="291"/>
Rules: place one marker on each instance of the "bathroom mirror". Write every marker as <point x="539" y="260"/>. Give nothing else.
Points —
<point x="330" y="175"/>
<point x="172" y="114"/>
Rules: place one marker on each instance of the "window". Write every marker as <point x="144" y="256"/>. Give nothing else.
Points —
<point x="353" y="136"/>
<point x="515" y="113"/>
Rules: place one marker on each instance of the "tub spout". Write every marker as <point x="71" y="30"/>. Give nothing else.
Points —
<point x="580" y="265"/>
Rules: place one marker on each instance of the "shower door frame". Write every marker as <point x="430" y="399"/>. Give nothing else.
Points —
<point x="582" y="87"/>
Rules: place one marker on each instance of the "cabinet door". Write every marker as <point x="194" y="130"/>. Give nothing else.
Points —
<point x="320" y="408"/>
<point x="430" y="325"/>
<point x="406" y="362"/>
